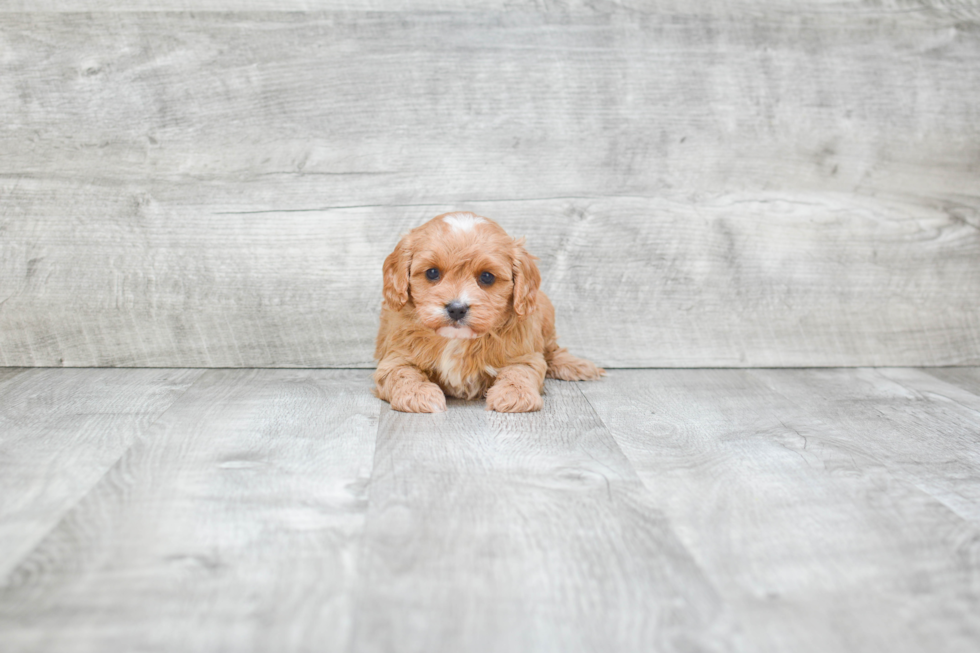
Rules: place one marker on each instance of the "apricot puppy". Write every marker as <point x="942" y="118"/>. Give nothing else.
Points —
<point x="462" y="316"/>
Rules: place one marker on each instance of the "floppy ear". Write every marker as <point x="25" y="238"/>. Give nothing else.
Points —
<point x="396" y="271"/>
<point x="527" y="280"/>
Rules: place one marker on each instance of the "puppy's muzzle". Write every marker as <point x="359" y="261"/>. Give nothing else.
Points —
<point x="456" y="310"/>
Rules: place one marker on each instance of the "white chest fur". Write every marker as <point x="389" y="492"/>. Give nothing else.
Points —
<point x="450" y="367"/>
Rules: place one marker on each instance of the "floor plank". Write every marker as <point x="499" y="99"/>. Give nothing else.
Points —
<point x="10" y="372"/>
<point x="815" y="541"/>
<point x="816" y="510"/>
<point x="491" y="532"/>
<point x="60" y="431"/>
<point x="231" y="525"/>
<point x="922" y="430"/>
<point x="967" y="378"/>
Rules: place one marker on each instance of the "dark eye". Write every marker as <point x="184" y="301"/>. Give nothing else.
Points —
<point x="487" y="279"/>
<point x="432" y="274"/>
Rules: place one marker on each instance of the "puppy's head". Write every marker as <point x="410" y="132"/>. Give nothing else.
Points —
<point x="463" y="274"/>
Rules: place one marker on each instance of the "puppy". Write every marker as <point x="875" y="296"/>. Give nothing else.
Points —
<point x="462" y="316"/>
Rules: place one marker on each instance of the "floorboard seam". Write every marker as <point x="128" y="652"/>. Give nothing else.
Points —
<point x="951" y="384"/>
<point x="612" y="435"/>
<point x="16" y="375"/>
<point x="82" y="495"/>
<point x="726" y="608"/>
<point x="362" y="538"/>
<point x="897" y="474"/>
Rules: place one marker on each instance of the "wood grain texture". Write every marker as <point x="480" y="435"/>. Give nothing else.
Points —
<point x="7" y="373"/>
<point x="924" y="431"/>
<point x="738" y="189"/>
<point x="803" y="497"/>
<point x="730" y="281"/>
<point x="656" y="510"/>
<point x="232" y="525"/>
<point x="60" y="432"/>
<point x="958" y="10"/>
<point x="491" y="532"/>
<point x="967" y="378"/>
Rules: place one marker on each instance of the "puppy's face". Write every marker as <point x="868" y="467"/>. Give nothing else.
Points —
<point x="463" y="274"/>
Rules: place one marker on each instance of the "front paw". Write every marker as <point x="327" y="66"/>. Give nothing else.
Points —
<point x="506" y="397"/>
<point x="421" y="398"/>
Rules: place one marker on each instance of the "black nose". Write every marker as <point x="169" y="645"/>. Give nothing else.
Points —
<point x="457" y="310"/>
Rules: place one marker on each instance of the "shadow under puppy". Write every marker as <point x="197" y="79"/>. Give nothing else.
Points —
<point x="462" y="316"/>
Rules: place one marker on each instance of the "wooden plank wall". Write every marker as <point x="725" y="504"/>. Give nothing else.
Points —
<point x="706" y="184"/>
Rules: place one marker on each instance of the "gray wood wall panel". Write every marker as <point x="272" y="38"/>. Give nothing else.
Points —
<point x="713" y="188"/>
<point x="819" y="503"/>
<point x="953" y="9"/>
<point x="231" y="525"/>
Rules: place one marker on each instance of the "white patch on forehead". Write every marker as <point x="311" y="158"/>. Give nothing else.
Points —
<point x="463" y="221"/>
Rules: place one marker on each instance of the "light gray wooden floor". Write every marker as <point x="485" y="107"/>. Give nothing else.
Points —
<point x="657" y="510"/>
